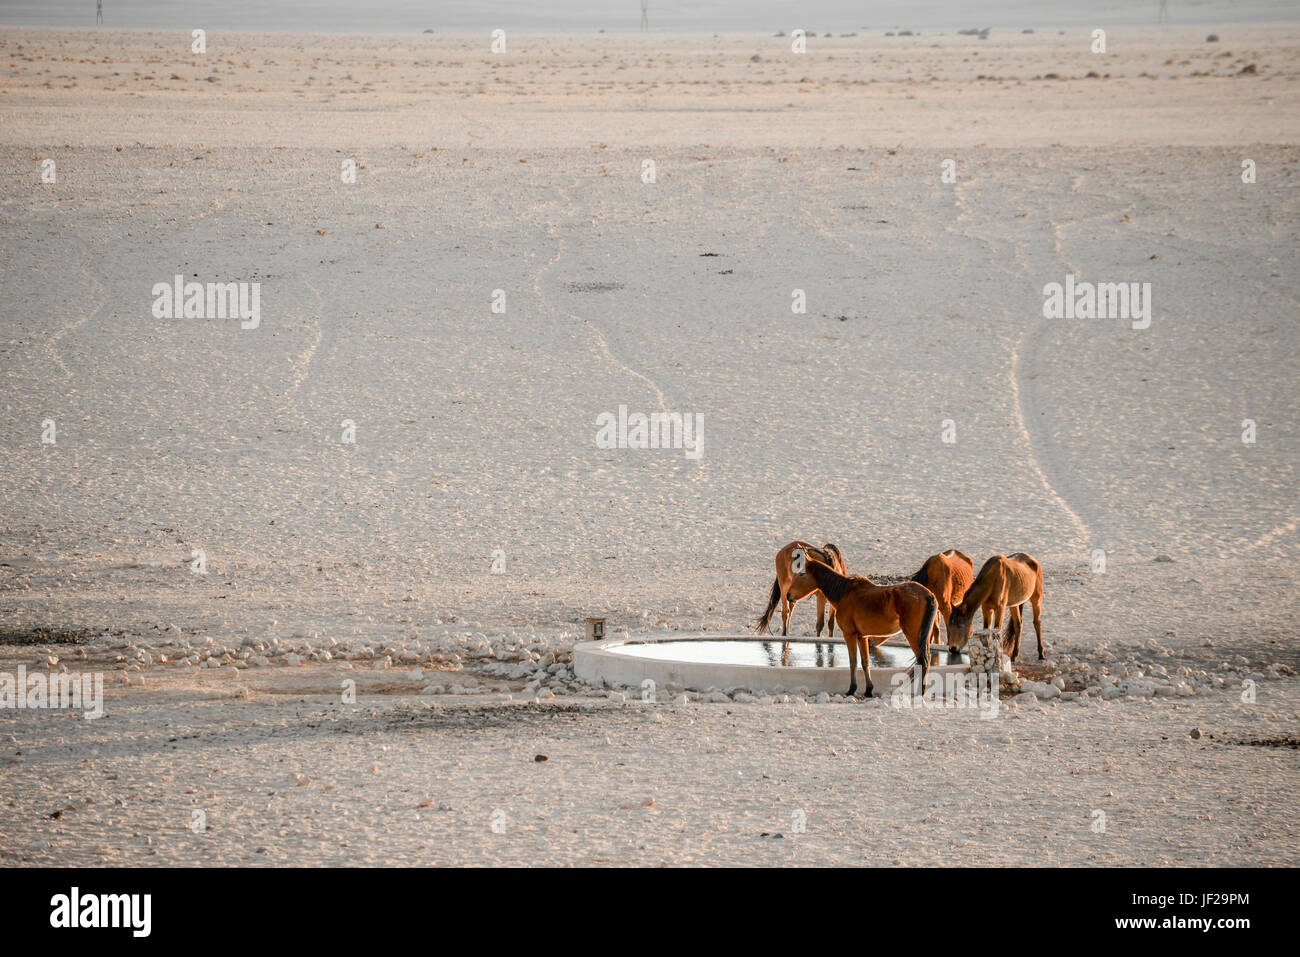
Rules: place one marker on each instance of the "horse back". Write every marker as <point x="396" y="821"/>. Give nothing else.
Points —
<point x="962" y="556"/>
<point x="784" y="555"/>
<point x="945" y="575"/>
<point x="1029" y="560"/>
<point x="828" y="555"/>
<point x="960" y="575"/>
<point x="1025" y="576"/>
<point x="875" y="609"/>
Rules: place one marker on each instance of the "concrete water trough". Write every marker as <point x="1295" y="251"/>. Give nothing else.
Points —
<point x="700" y="661"/>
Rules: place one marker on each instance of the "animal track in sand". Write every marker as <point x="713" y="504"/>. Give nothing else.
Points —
<point x="1024" y="376"/>
<point x="601" y="343"/>
<point x="98" y="301"/>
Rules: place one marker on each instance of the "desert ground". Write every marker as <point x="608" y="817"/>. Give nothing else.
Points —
<point x="444" y="559"/>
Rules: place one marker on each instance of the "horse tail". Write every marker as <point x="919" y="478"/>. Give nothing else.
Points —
<point x="834" y="550"/>
<point x="1008" y="639"/>
<point x="771" y="606"/>
<point x="927" y="626"/>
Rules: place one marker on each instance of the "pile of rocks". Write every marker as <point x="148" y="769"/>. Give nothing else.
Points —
<point x="548" y="671"/>
<point x="987" y="657"/>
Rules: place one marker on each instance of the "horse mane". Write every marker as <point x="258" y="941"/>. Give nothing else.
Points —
<point x="922" y="577"/>
<point x="832" y="549"/>
<point x="831" y="583"/>
<point x="979" y="587"/>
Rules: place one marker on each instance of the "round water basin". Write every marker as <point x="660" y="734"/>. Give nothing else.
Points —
<point x="702" y="661"/>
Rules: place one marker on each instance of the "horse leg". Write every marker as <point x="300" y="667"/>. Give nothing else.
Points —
<point x="1036" y="602"/>
<point x="830" y="632"/>
<point x="912" y="623"/>
<point x="852" y="642"/>
<point x="865" y="646"/>
<point x="1013" y="624"/>
<point x="787" y="607"/>
<point x="821" y="613"/>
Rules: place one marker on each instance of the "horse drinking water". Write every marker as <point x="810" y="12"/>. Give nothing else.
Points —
<point x="1005" y="582"/>
<point x="948" y="575"/>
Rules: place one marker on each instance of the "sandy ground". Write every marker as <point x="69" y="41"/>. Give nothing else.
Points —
<point x="302" y="780"/>
<point x="1152" y="88"/>
<point x="476" y="431"/>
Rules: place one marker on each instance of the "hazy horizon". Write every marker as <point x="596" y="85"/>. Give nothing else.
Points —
<point x="572" y="16"/>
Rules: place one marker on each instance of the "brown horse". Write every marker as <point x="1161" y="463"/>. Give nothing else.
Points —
<point x="948" y="575"/>
<point x="792" y="585"/>
<point x="870" y="613"/>
<point x="1005" y="582"/>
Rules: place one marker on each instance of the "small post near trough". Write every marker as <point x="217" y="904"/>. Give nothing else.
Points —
<point x="595" y="629"/>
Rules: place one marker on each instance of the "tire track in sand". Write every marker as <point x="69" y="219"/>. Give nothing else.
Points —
<point x="99" y="299"/>
<point x="1024" y="377"/>
<point x="601" y="343"/>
